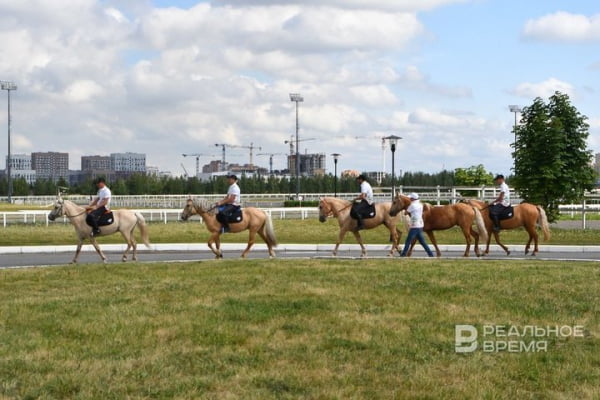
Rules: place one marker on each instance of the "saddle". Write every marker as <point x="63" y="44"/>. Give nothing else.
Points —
<point x="364" y="211"/>
<point x="230" y="215"/>
<point x="106" y="218"/>
<point x="504" y="212"/>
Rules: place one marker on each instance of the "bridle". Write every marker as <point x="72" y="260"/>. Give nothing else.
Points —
<point x="63" y="212"/>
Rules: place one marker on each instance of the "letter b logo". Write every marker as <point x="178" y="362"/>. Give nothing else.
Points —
<point x="465" y="338"/>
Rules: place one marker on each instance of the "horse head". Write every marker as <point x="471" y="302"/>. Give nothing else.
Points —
<point x="324" y="210"/>
<point x="400" y="203"/>
<point x="57" y="211"/>
<point x="188" y="210"/>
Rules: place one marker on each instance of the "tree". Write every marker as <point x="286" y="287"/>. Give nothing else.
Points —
<point x="552" y="162"/>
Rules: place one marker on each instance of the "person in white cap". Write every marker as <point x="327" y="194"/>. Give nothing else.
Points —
<point x="230" y="204"/>
<point x="416" y="225"/>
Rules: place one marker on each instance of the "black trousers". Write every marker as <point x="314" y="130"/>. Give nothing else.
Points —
<point x="94" y="216"/>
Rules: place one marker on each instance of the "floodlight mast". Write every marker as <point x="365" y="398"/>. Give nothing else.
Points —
<point x="8" y="86"/>
<point x="297" y="98"/>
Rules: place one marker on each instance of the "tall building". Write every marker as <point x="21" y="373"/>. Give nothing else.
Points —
<point x="93" y="163"/>
<point x="93" y="167"/>
<point x="128" y="162"/>
<point x="21" y="167"/>
<point x="310" y="164"/>
<point x="51" y="165"/>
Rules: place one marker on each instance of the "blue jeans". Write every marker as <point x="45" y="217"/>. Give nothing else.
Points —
<point x="415" y="233"/>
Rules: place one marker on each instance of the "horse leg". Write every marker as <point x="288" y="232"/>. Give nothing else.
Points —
<point x="214" y="244"/>
<point x="340" y="238"/>
<point x="532" y="236"/>
<point x="268" y="243"/>
<point x="438" y="253"/>
<point x="97" y="247"/>
<point x="497" y="239"/>
<point x="77" y="251"/>
<point x="475" y="235"/>
<point x="363" y="252"/>
<point x="412" y="246"/>
<point x="130" y="243"/>
<point x="394" y="236"/>
<point x="251" y="240"/>
<point x="467" y="235"/>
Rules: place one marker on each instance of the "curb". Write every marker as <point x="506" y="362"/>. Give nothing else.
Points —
<point x="283" y="247"/>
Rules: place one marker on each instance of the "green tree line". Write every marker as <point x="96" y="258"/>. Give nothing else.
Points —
<point x="139" y="184"/>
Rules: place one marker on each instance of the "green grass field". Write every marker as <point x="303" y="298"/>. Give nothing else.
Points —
<point x="295" y="329"/>
<point x="287" y="231"/>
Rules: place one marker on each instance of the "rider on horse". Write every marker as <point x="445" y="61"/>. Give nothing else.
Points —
<point x="502" y="202"/>
<point x="230" y="204"/>
<point x="98" y="206"/>
<point x="363" y="202"/>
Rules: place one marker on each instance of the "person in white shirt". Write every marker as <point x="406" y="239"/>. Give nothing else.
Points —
<point x="363" y="202"/>
<point x="416" y="225"/>
<point x="98" y="206"/>
<point x="501" y="202"/>
<point x="230" y="204"/>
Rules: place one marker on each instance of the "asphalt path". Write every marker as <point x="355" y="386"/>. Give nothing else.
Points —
<point x="63" y="256"/>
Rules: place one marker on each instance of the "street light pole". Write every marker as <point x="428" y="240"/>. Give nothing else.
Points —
<point x="515" y="109"/>
<point x="8" y="86"/>
<point x="335" y="160"/>
<point x="393" y="139"/>
<point x="297" y="98"/>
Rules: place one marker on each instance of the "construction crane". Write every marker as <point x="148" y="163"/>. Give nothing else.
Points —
<point x="292" y="141"/>
<point x="197" y="155"/>
<point x="185" y="173"/>
<point x="225" y="145"/>
<point x="270" y="159"/>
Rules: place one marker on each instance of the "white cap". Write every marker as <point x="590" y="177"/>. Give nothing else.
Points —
<point x="413" y="196"/>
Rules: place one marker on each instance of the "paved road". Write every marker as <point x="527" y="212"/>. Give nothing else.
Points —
<point x="63" y="255"/>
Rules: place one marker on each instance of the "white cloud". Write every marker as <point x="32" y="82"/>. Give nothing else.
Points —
<point x="543" y="89"/>
<point x="82" y="90"/>
<point x="384" y="5"/>
<point x="563" y="26"/>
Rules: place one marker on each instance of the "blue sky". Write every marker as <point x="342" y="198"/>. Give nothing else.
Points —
<point x="173" y="77"/>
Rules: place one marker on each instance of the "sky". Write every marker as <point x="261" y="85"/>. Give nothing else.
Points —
<point x="172" y="77"/>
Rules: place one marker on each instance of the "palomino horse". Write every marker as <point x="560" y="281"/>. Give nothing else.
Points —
<point x="525" y="215"/>
<point x="125" y="222"/>
<point x="340" y="209"/>
<point x="445" y="217"/>
<point x="253" y="219"/>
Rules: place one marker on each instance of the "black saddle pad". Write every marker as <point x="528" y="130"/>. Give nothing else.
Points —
<point x="105" y="219"/>
<point x="364" y="211"/>
<point x="230" y="216"/>
<point x="506" y="213"/>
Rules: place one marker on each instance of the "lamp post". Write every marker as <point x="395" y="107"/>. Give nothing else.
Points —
<point x="515" y="109"/>
<point x="393" y="139"/>
<point x="297" y="98"/>
<point x="8" y="86"/>
<point x="335" y="160"/>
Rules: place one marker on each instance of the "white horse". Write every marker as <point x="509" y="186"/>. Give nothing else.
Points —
<point x="125" y="222"/>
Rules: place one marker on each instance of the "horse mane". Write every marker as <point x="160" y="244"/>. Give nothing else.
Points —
<point x="205" y="205"/>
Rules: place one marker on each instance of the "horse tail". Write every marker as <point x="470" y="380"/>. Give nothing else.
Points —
<point x="483" y="235"/>
<point x="269" y="231"/>
<point x="543" y="221"/>
<point x="141" y="222"/>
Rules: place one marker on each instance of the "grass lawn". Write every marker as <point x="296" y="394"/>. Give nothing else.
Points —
<point x="287" y="231"/>
<point x="289" y="329"/>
